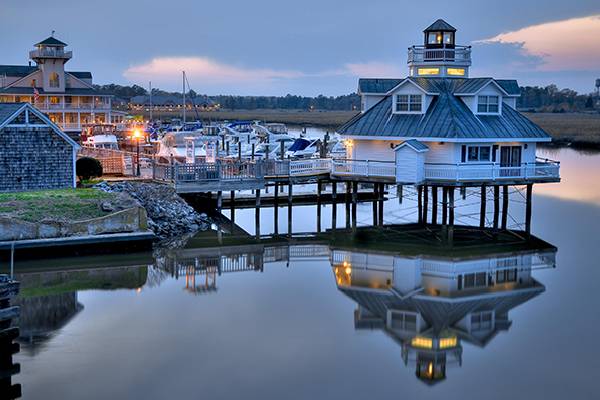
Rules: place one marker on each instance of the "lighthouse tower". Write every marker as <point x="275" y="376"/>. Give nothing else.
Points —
<point x="51" y="57"/>
<point x="439" y="56"/>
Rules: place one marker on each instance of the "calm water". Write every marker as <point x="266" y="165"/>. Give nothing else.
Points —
<point x="284" y="322"/>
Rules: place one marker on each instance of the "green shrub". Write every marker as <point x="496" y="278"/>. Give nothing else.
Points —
<point x="87" y="168"/>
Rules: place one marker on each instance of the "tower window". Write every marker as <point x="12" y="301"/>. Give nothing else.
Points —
<point x="409" y="103"/>
<point x="428" y="71"/>
<point x="487" y="104"/>
<point x="456" y="71"/>
<point x="54" y="80"/>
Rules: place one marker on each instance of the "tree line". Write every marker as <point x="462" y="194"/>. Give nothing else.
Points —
<point x="533" y="98"/>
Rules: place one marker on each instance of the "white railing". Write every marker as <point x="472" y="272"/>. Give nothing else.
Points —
<point x="365" y="168"/>
<point x="310" y="166"/>
<point x="72" y="106"/>
<point x="50" y="52"/>
<point x="541" y="169"/>
<point x="458" y="54"/>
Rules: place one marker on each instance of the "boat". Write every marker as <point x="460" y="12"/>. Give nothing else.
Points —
<point x="273" y="132"/>
<point x="174" y="145"/>
<point x="304" y="148"/>
<point x="100" y="136"/>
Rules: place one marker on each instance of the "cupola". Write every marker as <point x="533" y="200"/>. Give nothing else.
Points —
<point x="50" y="56"/>
<point x="439" y="56"/>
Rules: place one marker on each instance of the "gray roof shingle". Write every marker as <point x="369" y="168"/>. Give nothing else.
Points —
<point x="8" y="109"/>
<point x="377" y="85"/>
<point x="446" y="118"/>
<point x="51" y="41"/>
<point x="440" y="25"/>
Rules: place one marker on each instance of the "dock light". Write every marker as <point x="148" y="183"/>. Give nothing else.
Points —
<point x="137" y="135"/>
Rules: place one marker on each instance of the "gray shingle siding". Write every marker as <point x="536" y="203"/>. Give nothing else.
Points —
<point x="446" y="118"/>
<point x="34" y="158"/>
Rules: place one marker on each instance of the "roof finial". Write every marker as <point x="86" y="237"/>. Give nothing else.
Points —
<point x="52" y="34"/>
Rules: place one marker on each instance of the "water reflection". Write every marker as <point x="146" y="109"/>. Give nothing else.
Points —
<point x="430" y="304"/>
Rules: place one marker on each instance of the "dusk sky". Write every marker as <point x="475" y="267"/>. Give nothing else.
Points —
<point x="310" y="47"/>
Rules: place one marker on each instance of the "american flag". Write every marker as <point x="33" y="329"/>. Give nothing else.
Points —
<point x="36" y="95"/>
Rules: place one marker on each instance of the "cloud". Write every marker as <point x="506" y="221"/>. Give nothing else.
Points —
<point x="570" y="44"/>
<point x="374" y="69"/>
<point x="204" y="70"/>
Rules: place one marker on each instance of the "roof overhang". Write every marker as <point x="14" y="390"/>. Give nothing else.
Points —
<point x="413" y="144"/>
<point x="449" y="140"/>
<point x="392" y="90"/>
<point x="491" y="80"/>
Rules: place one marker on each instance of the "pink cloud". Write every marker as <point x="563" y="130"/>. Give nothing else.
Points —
<point x="570" y="44"/>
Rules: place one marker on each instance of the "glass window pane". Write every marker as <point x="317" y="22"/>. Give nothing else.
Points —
<point x="482" y="99"/>
<point x="473" y="153"/>
<point x="402" y="98"/>
<point x="447" y="38"/>
<point x="493" y="108"/>
<point x="484" y="153"/>
<point x="493" y="99"/>
<point x="402" y="107"/>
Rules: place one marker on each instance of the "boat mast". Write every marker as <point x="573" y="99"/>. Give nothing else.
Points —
<point x="183" y="96"/>
<point x="150" y="87"/>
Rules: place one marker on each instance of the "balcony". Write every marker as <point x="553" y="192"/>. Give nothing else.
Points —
<point x="541" y="170"/>
<point x="50" y="52"/>
<point x="364" y="168"/>
<point x="459" y="55"/>
<point x="81" y="107"/>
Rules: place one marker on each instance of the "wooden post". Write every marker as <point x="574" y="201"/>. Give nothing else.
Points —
<point x="504" y="206"/>
<point x="290" y="209"/>
<point x="420" y="203"/>
<point x="381" y="197"/>
<point x="375" y="198"/>
<point x="348" y="191"/>
<point x="333" y="205"/>
<point x="319" y="189"/>
<point x="239" y="152"/>
<point x="496" y="205"/>
<point x="451" y="215"/>
<point x="528" y="209"/>
<point x="253" y="147"/>
<point x="444" y="206"/>
<point x="354" y="204"/>
<point x="276" y="210"/>
<point x="232" y="204"/>
<point x="219" y="201"/>
<point x="257" y="214"/>
<point x="399" y="193"/>
<point x="482" y="209"/>
<point x="434" y="204"/>
<point x="425" y="203"/>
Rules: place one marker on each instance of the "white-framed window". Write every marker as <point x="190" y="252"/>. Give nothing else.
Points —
<point x="488" y="104"/>
<point x="54" y="80"/>
<point x="409" y="103"/>
<point x="482" y="321"/>
<point x="479" y="153"/>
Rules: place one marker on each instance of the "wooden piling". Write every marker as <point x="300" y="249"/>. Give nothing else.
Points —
<point x="333" y="205"/>
<point x="483" y="206"/>
<point x="451" y="215"/>
<point x="496" y="205"/>
<point x="276" y="209"/>
<point x="399" y="193"/>
<point x="348" y="191"/>
<point x="232" y="204"/>
<point x="444" y="206"/>
<point x="425" y="203"/>
<point x="504" y="207"/>
<point x="354" y="204"/>
<point x="528" y="201"/>
<point x="381" y="199"/>
<point x="257" y="214"/>
<point x="420" y="203"/>
<point x="290" y="194"/>
<point x="434" y="204"/>
<point x="375" y="198"/>
<point x="219" y="201"/>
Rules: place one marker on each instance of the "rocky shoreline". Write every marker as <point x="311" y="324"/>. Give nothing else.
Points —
<point x="169" y="215"/>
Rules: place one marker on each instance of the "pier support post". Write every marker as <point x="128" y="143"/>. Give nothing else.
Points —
<point x="483" y="206"/>
<point x="290" y="194"/>
<point x="319" y="188"/>
<point x="504" y="206"/>
<point x="381" y="198"/>
<point x="528" y="200"/>
<point x="420" y="203"/>
<point x="425" y="203"/>
<point x="354" y="204"/>
<point x="348" y="191"/>
<point x="276" y="209"/>
<point x="375" y="198"/>
<point x="219" y="201"/>
<point x="399" y="190"/>
<point x="444" y="206"/>
<point x="434" y="204"/>
<point x="232" y="205"/>
<point x="257" y="214"/>
<point x="333" y="205"/>
<point x="496" y="205"/>
<point x="451" y="215"/>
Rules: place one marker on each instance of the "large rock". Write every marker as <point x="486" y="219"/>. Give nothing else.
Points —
<point x="168" y="214"/>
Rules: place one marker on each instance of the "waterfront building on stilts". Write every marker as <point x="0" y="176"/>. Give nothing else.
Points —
<point x="439" y="129"/>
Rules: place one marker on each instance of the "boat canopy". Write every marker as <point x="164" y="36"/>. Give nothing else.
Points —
<point x="299" y="144"/>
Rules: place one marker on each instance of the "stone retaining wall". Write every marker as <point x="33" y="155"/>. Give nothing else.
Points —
<point x="130" y="220"/>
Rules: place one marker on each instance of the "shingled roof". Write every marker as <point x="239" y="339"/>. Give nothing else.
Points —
<point x="447" y="117"/>
<point x="51" y="41"/>
<point x="440" y="25"/>
<point x="7" y="110"/>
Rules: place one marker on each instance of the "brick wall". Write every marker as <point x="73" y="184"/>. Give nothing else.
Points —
<point x="34" y="158"/>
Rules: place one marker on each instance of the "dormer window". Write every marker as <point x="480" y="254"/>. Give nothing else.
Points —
<point x="409" y="103"/>
<point x="488" y="104"/>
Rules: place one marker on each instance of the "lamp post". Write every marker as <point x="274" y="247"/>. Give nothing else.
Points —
<point x="137" y="136"/>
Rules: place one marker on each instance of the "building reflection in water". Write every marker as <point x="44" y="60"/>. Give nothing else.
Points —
<point x="9" y="288"/>
<point x="431" y="304"/>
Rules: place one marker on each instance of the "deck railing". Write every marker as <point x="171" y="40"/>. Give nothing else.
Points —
<point x="363" y="168"/>
<point x="459" y="54"/>
<point x="218" y="171"/>
<point x="541" y="169"/>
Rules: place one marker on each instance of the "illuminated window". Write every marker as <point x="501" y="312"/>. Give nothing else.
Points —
<point x="428" y="71"/>
<point x="456" y="71"/>
<point x="447" y="342"/>
<point x="409" y="103"/>
<point x="434" y="38"/>
<point x="423" y="342"/>
<point x="53" y="80"/>
<point x="487" y="104"/>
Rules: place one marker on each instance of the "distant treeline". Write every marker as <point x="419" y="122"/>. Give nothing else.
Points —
<point x="533" y="98"/>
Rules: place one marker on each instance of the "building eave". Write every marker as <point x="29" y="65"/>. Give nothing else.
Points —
<point x="449" y="140"/>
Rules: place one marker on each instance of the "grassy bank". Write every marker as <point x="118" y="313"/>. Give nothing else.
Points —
<point x="59" y="205"/>
<point x="580" y="130"/>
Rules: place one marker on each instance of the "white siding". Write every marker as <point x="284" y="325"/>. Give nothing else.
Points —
<point x="442" y="153"/>
<point x="511" y="101"/>
<point x="369" y="101"/>
<point x="407" y="274"/>
<point x="376" y="150"/>
<point x="410" y="166"/>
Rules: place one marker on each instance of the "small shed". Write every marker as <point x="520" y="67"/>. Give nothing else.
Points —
<point x="34" y="153"/>
<point x="410" y="161"/>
